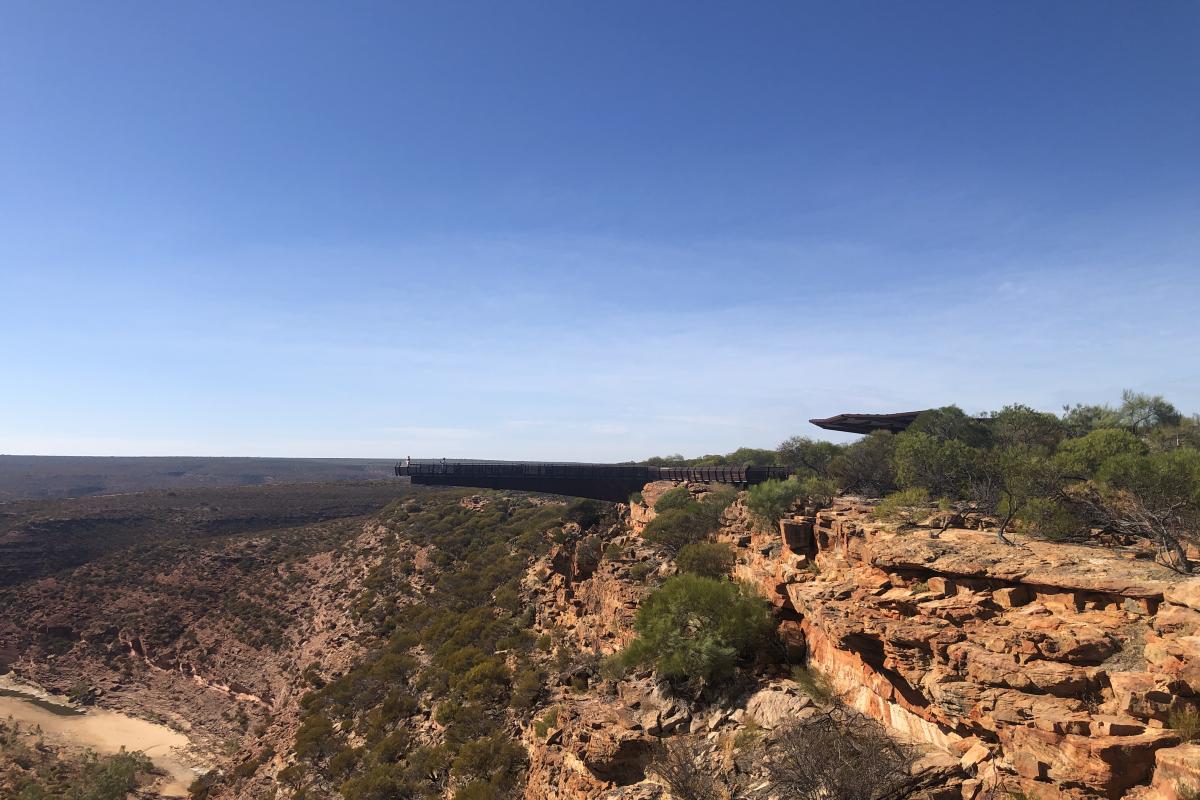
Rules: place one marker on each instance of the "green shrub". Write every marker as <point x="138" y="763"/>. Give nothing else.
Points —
<point x="316" y="738"/>
<point x="463" y="722"/>
<point x="585" y="513"/>
<point x="679" y="497"/>
<point x="750" y="736"/>
<point x="1156" y="496"/>
<point x="769" y="501"/>
<point x="640" y="571"/>
<point x="940" y="466"/>
<point x="907" y="506"/>
<point x="709" y="559"/>
<point x="527" y="688"/>
<point x="718" y="499"/>
<point x="493" y="759"/>
<point x="806" y="455"/>
<point x="548" y="721"/>
<point x="1186" y="722"/>
<point x="950" y="423"/>
<point x="818" y="491"/>
<point x="1049" y="518"/>
<point x="813" y="684"/>
<point x="613" y="668"/>
<point x="343" y="763"/>
<point x="1021" y="426"/>
<point x="698" y="628"/>
<point x="676" y="528"/>
<point x="1082" y="457"/>
<point x="636" y="499"/>
<point x="86" y="777"/>
<point x="866" y="465"/>
<point x="479" y="790"/>
<point x="289" y="776"/>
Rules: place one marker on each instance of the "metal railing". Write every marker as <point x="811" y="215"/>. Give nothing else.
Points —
<point x="745" y="475"/>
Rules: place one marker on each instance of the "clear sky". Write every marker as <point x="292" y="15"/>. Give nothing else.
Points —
<point x="584" y="230"/>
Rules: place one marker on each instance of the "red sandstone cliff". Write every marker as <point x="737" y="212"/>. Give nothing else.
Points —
<point x="1052" y="667"/>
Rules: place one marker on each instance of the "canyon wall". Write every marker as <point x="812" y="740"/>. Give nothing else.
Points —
<point x="1050" y="668"/>
<point x="1046" y="671"/>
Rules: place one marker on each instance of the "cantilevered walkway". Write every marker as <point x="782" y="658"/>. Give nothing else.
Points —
<point x="612" y="482"/>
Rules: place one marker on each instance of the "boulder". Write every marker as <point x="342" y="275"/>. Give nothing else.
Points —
<point x="777" y="705"/>
<point x="1177" y="769"/>
<point x="1012" y="596"/>
<point x="1185" y="593"/>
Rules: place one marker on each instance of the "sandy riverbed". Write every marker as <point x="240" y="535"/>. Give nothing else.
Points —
<point x="103" y="731"/>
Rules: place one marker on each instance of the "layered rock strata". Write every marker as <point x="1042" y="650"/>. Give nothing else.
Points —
<point x="1052" y="669"/>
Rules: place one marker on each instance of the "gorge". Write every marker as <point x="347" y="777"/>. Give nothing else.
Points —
<point x="1046" y="670"/>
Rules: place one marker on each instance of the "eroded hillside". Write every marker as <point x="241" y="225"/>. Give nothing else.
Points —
<point x="468" y="646"/>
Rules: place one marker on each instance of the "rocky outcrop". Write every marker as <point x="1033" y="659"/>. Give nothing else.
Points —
<point x="1051" y="670"/>
<point x="594" y="745"/>
<point x="585" y="589"/>
<point x="1055" y="666"/>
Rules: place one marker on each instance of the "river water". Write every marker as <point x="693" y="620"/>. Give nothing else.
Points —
<point x="101" y="730"/>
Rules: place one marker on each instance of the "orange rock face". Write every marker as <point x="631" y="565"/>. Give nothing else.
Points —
<point x="1055" y="666"/>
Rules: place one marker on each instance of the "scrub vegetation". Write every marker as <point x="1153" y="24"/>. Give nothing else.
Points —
<point x="463" y="648"/>
<point x="697" y="630"/>
<point x="30" y="770"/>
<point x="1130" y="470"/>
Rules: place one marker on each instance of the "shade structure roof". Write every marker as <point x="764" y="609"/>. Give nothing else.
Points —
<point x="866" y="423"/>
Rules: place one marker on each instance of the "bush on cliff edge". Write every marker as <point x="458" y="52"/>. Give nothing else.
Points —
<point x="683" y="520"/>
<point x="769" y="501"/>
<point x="697" y="628"/>
<point x="708" y="559"/>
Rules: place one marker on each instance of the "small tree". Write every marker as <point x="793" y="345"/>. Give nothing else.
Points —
<point x="866" y="465"/>
<point x="946" y="515"/>
<point x="1081" y="419"/>
<point x="940" y="466"/>
<point x="682" y="519"/>
<point x="1019" y="425"/>
<point x="717" y="500"/>
<point x="1172" y="437"/>
<point x="840" y="755"/>
<point x="1138" y="413"/>
<point x="1142" y="413"/>
<point x="745" y="456"/>
<point x="1081" y="457"/>
<point x="949" y="422"/>
<point x="803" y="454"/>
<point x="817" y="491"/>
<point x="1155" y="496"/>
<point x="770" y="501"/>
<point x="1006" y="481"/>
<point x="493" y="759"/>
<point x="688" y="774"/>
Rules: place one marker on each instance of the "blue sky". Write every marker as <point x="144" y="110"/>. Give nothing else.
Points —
<point x="584" y="230"/>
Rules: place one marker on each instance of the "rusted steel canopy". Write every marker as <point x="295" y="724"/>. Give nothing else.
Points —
<point x="613" y="482"/>
<point x="866" y="423"/>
